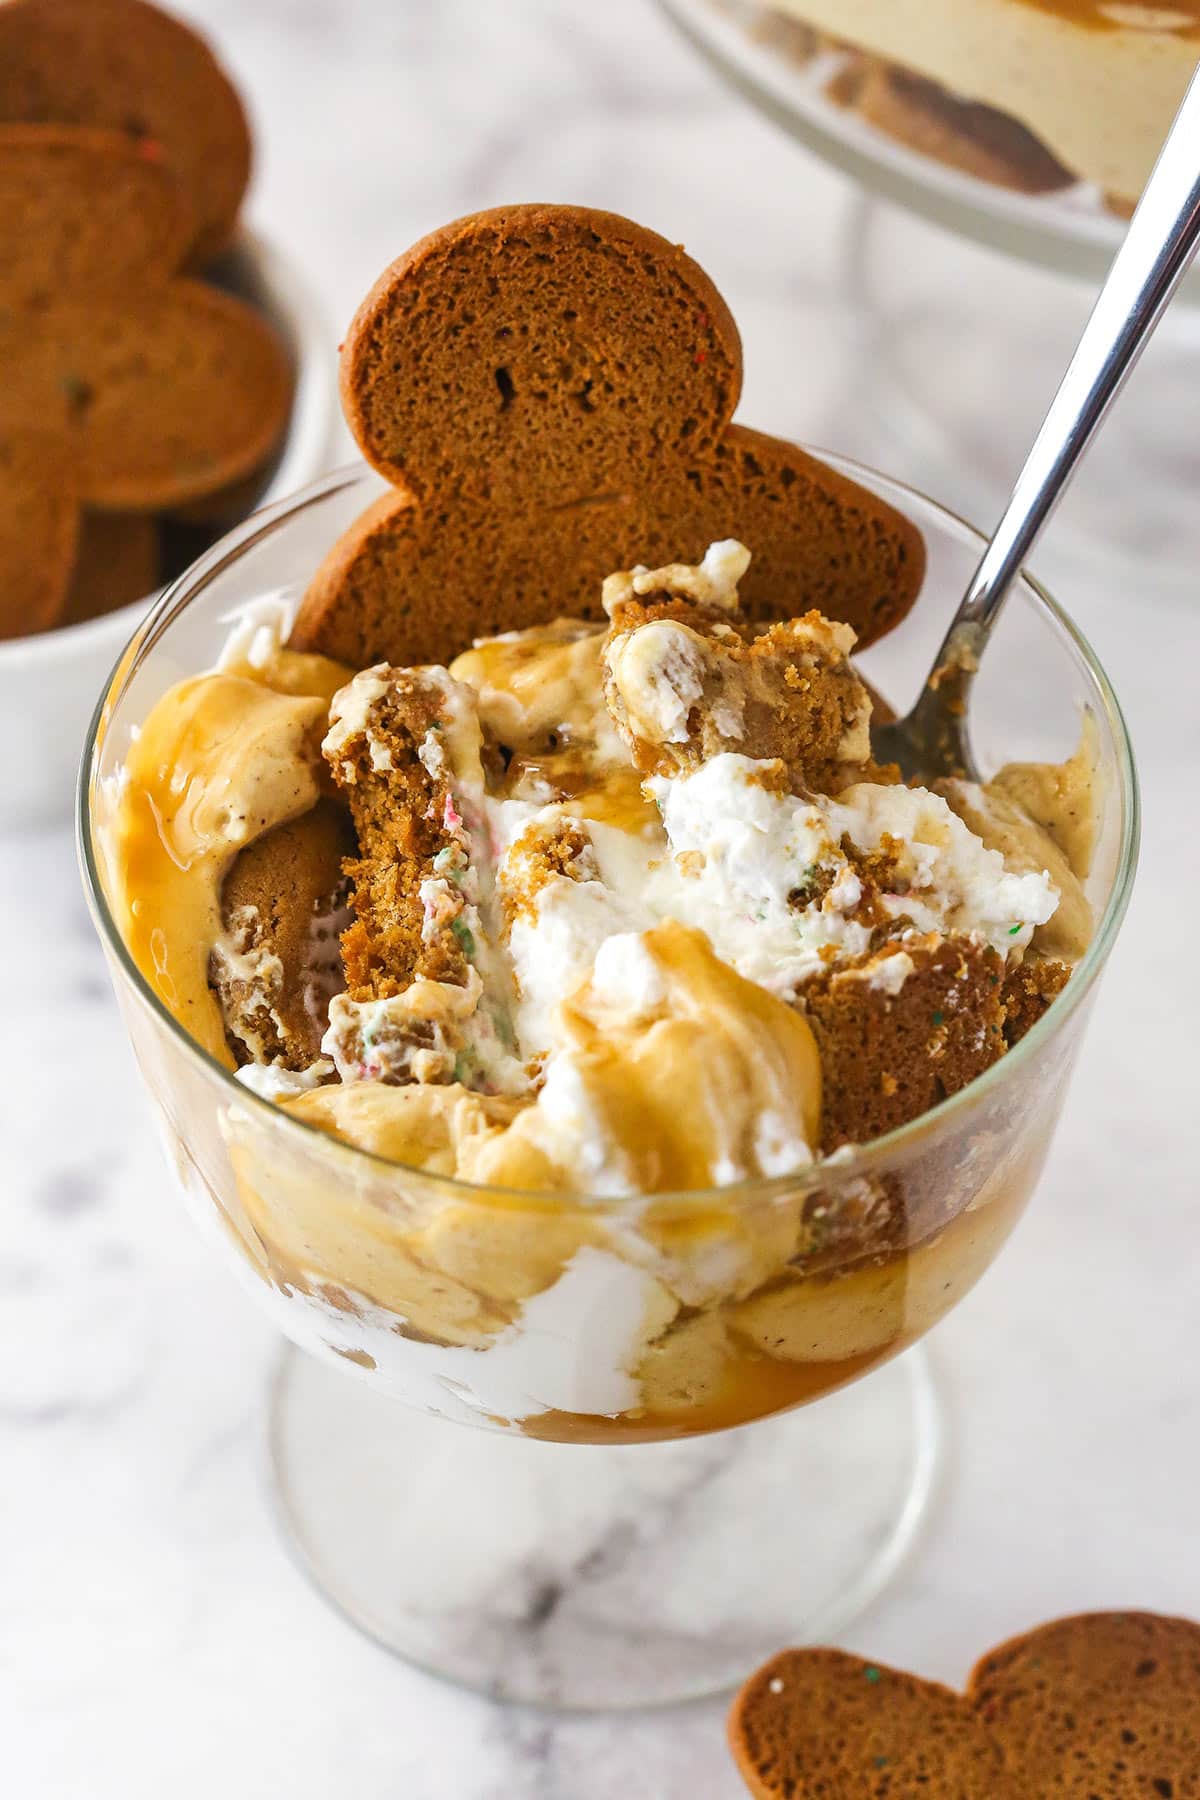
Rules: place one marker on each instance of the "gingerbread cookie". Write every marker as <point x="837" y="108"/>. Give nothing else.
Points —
<point x="126" y="66"/>
<point x="549" y="390"/>
<point x="161" y="393"/>
<point x="79" y="208"/>
<point x="1103" y="1706"/>
<point x="39" y="529"/>
<point x="278" y="959"/>
<point x="887" y="1057"/>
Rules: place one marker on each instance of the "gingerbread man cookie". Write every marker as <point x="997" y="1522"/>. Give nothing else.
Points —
<point x="549" y="391"/>
<point x="1103" y="1706"/>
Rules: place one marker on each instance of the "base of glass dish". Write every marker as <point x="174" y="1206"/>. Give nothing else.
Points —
<point x="600" y="1577"/>
<point x="962" y="349"/>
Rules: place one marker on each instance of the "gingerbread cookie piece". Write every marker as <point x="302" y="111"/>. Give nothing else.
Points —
<point x="39" y="530"/>
<point x="405" y="747"/>
<point x="1028" y="991"/>
<point x="549" y="390"/>
<point x="126" y="66"/>
<point x="162" y="393"/>
<point x="80" y="208"/>
<point x="821" y="1725"/>
<point x="116" y="563"/>
<point x="684" y="683"/>
<point x="900" y="1030"/>
<point x="389" y="746"/>
<point x="277" y="963"/>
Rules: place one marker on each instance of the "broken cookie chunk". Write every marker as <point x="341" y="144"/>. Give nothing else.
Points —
<point x="686" y="679"/>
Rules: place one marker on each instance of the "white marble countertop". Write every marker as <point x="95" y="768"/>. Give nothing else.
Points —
<point x="154" y="1636"/>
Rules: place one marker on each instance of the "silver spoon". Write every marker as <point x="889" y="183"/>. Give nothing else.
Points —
<point x="1163" y="234"/>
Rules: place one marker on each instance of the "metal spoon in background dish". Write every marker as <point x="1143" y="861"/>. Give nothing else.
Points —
<point x="933" y="739"/>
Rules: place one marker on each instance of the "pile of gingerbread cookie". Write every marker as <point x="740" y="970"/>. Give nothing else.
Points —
<point x="140" y="402"/>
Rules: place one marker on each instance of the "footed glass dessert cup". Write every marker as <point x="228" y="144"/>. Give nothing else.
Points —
<point x="612" y="1536"/>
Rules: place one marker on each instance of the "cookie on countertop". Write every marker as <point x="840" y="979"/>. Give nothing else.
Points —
<point x="39" y="531"/>
<point x="549" y="390"/>
<point x="1100" y="1706"/>
<point x="822" y="1725"/>
<point x="1103" y="1705"/>
<point x="126" y="65"/>
<point x="81" y="207"/>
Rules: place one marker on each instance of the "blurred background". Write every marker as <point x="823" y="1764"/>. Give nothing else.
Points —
<point x="153" y="1635"/>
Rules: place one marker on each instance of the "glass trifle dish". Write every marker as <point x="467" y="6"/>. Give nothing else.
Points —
<point x="568" y="1030"/>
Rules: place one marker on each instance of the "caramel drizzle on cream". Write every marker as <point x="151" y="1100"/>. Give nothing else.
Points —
<point x="679" y="1089"/>
<point x="221" y="759"/>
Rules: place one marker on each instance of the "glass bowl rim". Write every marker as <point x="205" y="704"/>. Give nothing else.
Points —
<point x="845" y="1164"/>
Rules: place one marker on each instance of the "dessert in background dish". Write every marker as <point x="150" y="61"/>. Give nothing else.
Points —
<point x="552" y="940"/>
<point x="1031" y="94"/>
<point x="143" y="401"/>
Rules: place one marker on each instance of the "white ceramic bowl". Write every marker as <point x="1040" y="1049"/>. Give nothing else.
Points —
<point x="49" y="683"/>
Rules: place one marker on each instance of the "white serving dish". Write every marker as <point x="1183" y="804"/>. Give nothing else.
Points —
<point x="50" y="683"/>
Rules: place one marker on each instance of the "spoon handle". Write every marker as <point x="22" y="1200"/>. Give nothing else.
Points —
<point x="1157" y="248"/>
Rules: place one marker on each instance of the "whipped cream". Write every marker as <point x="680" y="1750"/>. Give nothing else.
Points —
<point x="575" y="1347"/>
<point x="258" y="630"/>
<point x="951" y="880"/>
<point x="271" y="1081"/>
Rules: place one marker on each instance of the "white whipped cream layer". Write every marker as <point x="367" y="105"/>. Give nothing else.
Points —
<point x="575" y="1347"/>
<point x="735" y="859"/>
